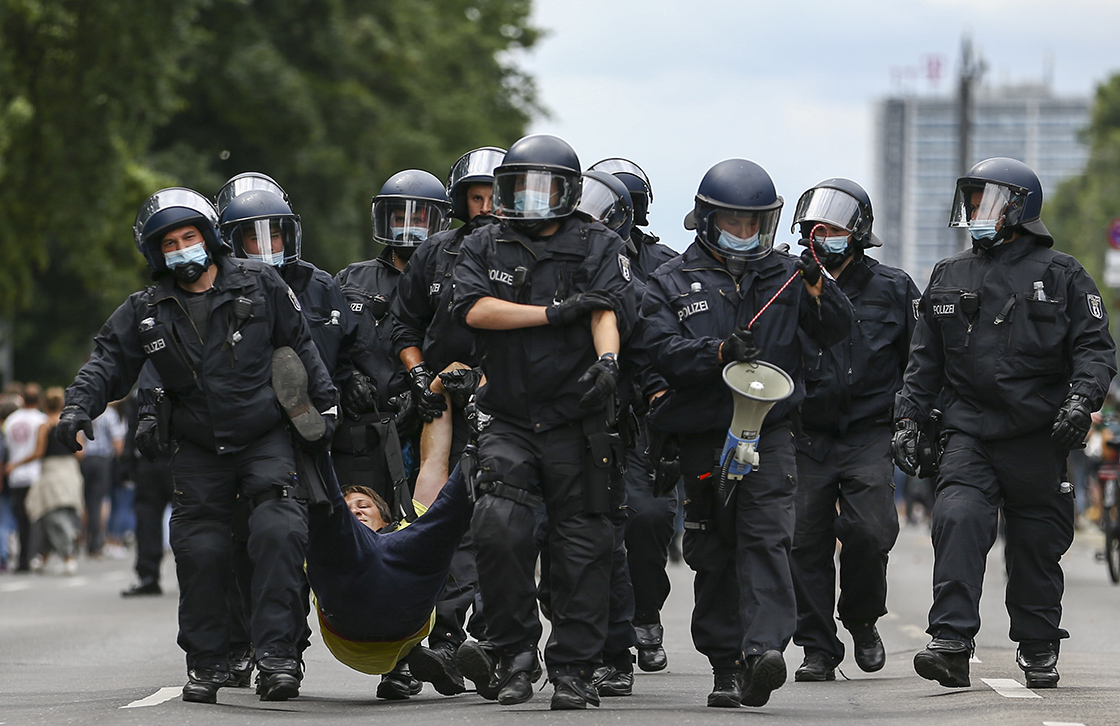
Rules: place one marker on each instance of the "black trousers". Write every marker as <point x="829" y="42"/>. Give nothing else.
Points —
<point x="744" y="601"/>
<point x="978" y="478"/>
<point x="206" y="488"/>
<point x="550" y="465"/>
<point x="23" y="525"/>
<point x="853" y="471"/>
<point x="154" y="488"/>
<point x="650" y="525"/>
<point x="97" y="475"/>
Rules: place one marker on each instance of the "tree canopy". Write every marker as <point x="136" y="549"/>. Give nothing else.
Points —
<point x="103" y="103"/>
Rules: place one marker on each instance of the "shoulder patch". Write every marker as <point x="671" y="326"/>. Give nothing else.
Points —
<point x="1096" y="308"/>
<point x="916" y="303"/>
<point x="624" y="266"/>
<point x="295" y="300"/>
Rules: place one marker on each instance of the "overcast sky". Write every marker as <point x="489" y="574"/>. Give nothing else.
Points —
<point x="678" y="85"/>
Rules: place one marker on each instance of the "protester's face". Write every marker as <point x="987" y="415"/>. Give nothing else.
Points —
<point x="362" y="507"/>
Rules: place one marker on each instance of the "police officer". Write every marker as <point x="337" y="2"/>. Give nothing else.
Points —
<point x="718" y="303"/>
<point x="651" y="517"/>
<point x="411" y="206"/>
<point x="1014" y="337"/>
<point x="539" y="289"/>
<point x="256" y="219"/>
<point x="218" y="330"/>
<point x="428" y="339"/>
<point x="843" y="450"/>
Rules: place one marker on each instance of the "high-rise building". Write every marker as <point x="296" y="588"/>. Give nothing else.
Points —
<point x="917" y="163"/>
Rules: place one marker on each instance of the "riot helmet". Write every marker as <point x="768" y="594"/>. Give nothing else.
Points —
<point x="996" y="198"/>
<point x="410" y="207"/>
<point x="736" y="212"/>
<point x="839" y="203"/>
<point x="635" y="179"/>
<point x="606" y="199"/>
<point x="168" y="210"/>
<point x="245" y="182"/>
<point x="260" y="225"/>
<point x="537" y="183"/>
<point x="473" y="167"/>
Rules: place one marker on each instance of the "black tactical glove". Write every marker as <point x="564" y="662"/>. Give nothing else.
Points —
<point x="810" y="270"/>
<point x="429" y="404"/>
<point x="603" y="375"/>
<point x="740" y="347"/>
<point x="72" y="420"/>
<point x="461" y="384"/>
<point x="571" y="309"/>
<point x="1073" y="422"/>
<point x="147" y="437"/>
<point x="477" y="420"/>
<point x="406" y="416"/>
<point x="904" y="445"/>
<point x="359" y="395"/>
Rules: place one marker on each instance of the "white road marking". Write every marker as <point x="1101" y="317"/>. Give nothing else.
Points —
<point x="1061" y="723"/>
<point x="15" y="586"/>
<point x="1010" y="688"/>
<point x="163" y="694"/>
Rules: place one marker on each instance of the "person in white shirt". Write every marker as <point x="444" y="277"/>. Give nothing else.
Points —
<point x="21" y="436"/>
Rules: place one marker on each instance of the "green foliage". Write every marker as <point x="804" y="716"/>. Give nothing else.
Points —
<point x="103" y="103"/>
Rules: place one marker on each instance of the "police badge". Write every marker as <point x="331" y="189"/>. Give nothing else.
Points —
<point x="624" y="266"/>
<point x="1096" y="308"/>
<point x="295" y="301"/>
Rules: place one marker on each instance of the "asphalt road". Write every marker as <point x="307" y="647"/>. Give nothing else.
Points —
<point x="73" y="651"/>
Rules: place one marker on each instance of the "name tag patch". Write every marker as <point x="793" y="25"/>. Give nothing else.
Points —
<point x="945" y="309"/>
<point x="700" y="306"/>
<point x="357" y="307"/>
<point x="155" y="345"/>
<point x="506" y="278"/>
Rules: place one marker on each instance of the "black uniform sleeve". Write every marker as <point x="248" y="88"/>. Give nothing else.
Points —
<point x="679" y="359"/>
<point x="924" y="377"/>
<point x="609" y="276"/>
<point x="472" y="282"/>
<point x="115" y="363"/>
<point x="349" y="331"/>
<point x="412" y="307"/>
<point x="827" y="319"/>
<point x="911" y="300"/>
<point x="289" y="328"/>
<point x="1091" y="348"/>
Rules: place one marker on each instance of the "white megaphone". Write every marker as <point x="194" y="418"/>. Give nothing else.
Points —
<point x="755" y="388"/>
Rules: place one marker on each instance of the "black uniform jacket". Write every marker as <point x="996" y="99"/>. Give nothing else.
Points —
<point x="1007" y="368"/>
<point x="692" y="303"/>
<point x="422" y="307"/>
<point x="369" y="288"/>
<point x="532" y="373"/>
<point x="333" y="327"/>
<point x="231" y="402"/>
<point x="853" y="384"/>
<point x="646" y="254"/>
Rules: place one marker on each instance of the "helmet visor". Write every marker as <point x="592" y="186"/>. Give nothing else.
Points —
<point x="247" y="182"/>
<point x="981" y="200"/>
<point x="602" y="203"/>
<point x="401" y="222"/>
<point x="830" y="206"/>
<point x="742" y="234"/>
<point x="475" y="166"/>
<point x="616" y="165"/>
<point x="274" y="241"/>
<point x="534" y="194"/>
<point x="175" y="197"/>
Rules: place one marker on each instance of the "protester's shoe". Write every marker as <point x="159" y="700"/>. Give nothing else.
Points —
<point x="762" y="674"/>
<point x="436" y="665"/>
<point x="944" y="661"/>
<point x="515" y="676"/>
<point x="476" y="664"/>
<point x="651" y="654"/>
<point x="70" y="567"/>
<point x="609" y="681"/>
<point x="816" y="667"/>
<point x="241" y="668"/>
<point x="869" y="652"/>
<point x="144" y="587"/>
<point x="289" y="381"/>
<point x="202" y="685"/>
<point x="398" y="684"/>
<point x="726" y="692"/>
<point x="1041" y="668"/>
<point x="572" y="693"/>
<point x="279" y="679"/>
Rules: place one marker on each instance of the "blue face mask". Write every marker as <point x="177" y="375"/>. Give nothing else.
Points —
<point x="982" y="230"/>
<point x="732" y="243"/>
<point x="195" y="253"/>
<point x="833" y="245"/>
<point x="531" y="201"/>
<point x="276" y="259"/>
<point x="415" y="234"/>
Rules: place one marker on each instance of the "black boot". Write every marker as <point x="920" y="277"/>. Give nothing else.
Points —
<point x="398" y="684"/>
<point x="651" y="654"/>
<point x="203" y="684"/>
<point x="573" y="692"/>
<point x="1040" y="664"/>
<point x="609" y="681"/>
<point x="476" y="663"/>
<point x="240" y="667"/>
<point x="147" y="586"/>
<point x="869" y="652"/>
<point x="726" y="691"/>
<point x="279" y="678"/>
<point x="817" y="666"/>
<point x="944" y="661"/>
<point x="515" y="675"/>
<point x="762" y="674"/>
<point x="436" y="665"/>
